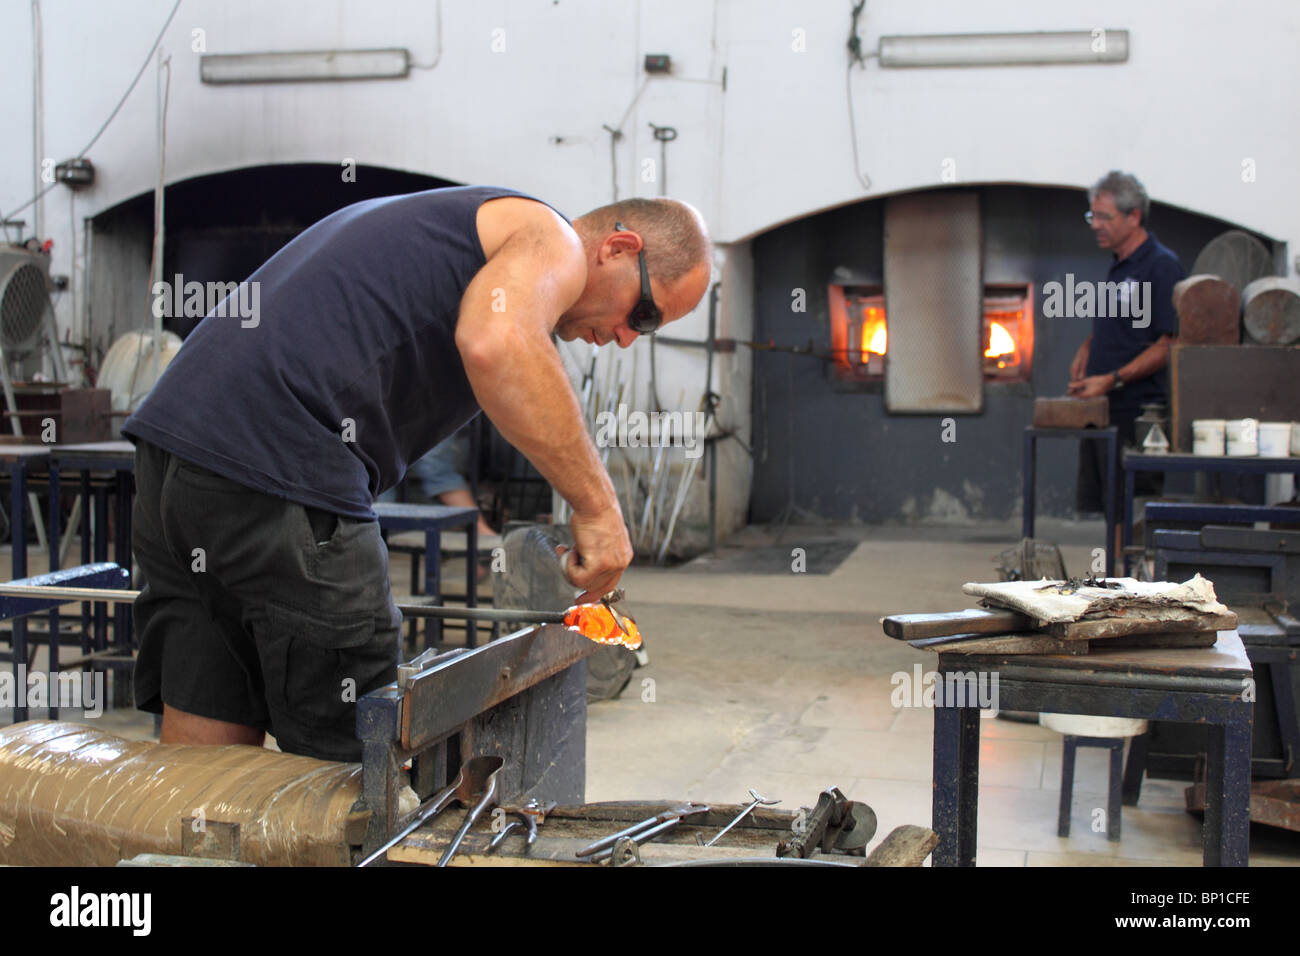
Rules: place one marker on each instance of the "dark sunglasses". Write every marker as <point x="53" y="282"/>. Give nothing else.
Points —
<point x="645" y="316"/>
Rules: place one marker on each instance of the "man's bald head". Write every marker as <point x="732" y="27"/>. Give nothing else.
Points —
<point x="676" y="238"/>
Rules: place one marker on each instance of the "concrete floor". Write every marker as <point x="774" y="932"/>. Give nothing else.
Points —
<point x="781" y="681"/>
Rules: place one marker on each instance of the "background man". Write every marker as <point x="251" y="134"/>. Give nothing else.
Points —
<point x="1121" y="359"/>
<point x="383" y="328"/>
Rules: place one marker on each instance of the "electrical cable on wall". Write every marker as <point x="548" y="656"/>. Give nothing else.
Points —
<point x="855" y="56"/>
<point x="94" y="139"/>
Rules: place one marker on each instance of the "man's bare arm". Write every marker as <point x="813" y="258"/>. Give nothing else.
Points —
<point x="1149" y="361"/>
<point x="503" y="334"/>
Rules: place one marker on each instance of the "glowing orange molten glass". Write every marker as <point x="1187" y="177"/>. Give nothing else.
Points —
<point x="596" y="623"/>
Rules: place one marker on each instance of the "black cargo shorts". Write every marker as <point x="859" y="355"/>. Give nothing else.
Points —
<point x="256" y="610"/>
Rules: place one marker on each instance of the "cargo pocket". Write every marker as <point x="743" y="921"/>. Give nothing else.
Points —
<point x="316" y="667"/>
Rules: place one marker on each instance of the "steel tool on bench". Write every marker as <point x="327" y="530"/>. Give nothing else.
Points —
<point x="533" y="814"/>
<point x="758" y="798"/>
<point x="463" y="789"/>
<point x="834" y="824"/>
<point x="642" y="832"/>
<point x="480" y="782"/>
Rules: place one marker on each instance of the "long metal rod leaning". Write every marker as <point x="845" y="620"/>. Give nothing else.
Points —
<point x="606" y="842"/>
<point x="115" y="596"/>
<point x="438" y="804"/>
<point x="644" y="836"/>
<point x="758" y="798"/>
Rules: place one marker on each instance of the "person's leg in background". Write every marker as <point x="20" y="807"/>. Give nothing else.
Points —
<point x="440" y="476"/>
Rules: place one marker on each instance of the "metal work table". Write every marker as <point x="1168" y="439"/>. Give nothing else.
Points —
<point x="1109" y="436"/>
<point x="16" y="462"/>
<point x="1133" y="462"/>
<point x="117" y="457"/>
<point x="1200" y="685"/>
<point x="433" y="520"/>
<point x="523" y="697"/>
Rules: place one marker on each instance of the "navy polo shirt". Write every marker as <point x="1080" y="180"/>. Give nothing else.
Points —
<point x="1126" y="322"/>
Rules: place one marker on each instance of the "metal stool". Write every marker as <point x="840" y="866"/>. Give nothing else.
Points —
<point x="1087" y="731"/>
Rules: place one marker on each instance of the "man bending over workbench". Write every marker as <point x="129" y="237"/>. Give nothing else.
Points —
<point x="380" y="331"/>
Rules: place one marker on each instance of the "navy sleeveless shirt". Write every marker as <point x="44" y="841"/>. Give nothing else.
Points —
<point x="348" y="372"/>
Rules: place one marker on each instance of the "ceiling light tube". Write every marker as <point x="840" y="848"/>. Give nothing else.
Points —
<point x="305" y="66"/>
<point x="1005" y="49"/>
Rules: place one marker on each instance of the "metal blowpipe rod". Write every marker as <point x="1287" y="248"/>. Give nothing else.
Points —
<point x="114" y="596"/>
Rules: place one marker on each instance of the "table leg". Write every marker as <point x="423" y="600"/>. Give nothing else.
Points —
<point x="122" y="557"/>
<point x="100" y="534"/>
<point x="1135" y="769"/>
<point x="1288" y="723"/>
<point x="1027" y="486"/>
<point x="86" y="641"/>
<point x="1112" y="451"/>
<point x="1226" y="830"/>
<point x="18" y="550"/>
<point x="1129" y="485"/>
<point x="1115" y="797"/>
<point x="55" y="523"/>
<point x="956" y="784"/>
<point x="433" y="585"/>
<point x="471" y="579"/>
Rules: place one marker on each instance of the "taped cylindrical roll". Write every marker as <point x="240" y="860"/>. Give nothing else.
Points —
<point x="71" y="795"/>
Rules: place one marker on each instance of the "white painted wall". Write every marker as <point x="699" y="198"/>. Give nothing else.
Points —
<point x="1207" y="86"/>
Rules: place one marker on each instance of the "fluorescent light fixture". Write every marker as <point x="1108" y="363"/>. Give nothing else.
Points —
<point x="306" y="66"/>
<point x="1005" y="49"/>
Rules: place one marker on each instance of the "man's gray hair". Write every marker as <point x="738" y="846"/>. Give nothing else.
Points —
<point x="1126" y="190"/>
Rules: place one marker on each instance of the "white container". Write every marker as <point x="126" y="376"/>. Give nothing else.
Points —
<point x="1207" y="436"/>
<point x="1084" y="725"/>
<point x="1274" y="439"/>
<point x="1295" y="438"/>
<point x="1243" y="437"/>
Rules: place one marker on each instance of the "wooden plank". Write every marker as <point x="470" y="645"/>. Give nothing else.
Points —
<point x="907" y="845"/>
<point x="1108" y="627"/>
<point x="965" y="625"/>
<point x="1226" y="660"/>
<point x="1067" y="412"/>
<point x="1187" y="639"/>
<point x="912" y="627"/>
<point x="1031" y="643"/>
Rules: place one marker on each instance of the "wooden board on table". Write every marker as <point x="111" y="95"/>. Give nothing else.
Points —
<point x="907" y="845"/>
<point x="998" y="622"/>
<point x="1022" y="643"/>
<point x="1039" y="643"/>
<point x="1184" y="639"/>
<point x="1111" y="627"/>
<point x="915" y="627"/>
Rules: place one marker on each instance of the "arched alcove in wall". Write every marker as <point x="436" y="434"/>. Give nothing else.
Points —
<point x="854" y="459"/>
